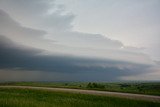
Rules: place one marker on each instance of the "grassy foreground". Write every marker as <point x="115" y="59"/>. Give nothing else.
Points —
<point x="14" y="97"/>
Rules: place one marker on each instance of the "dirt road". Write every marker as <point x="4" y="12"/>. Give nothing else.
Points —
<point x="93" y="92"/>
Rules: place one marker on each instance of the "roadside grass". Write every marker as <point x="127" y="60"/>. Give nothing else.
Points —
<point x="151" y="88"/>
<point x="14" y="97"/>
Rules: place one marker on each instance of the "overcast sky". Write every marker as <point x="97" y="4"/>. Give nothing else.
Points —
<point x="77" y="40"/>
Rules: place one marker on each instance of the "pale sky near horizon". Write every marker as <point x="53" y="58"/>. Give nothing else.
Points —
<point x="133" y="22"/>
<point x="77" y="40"/>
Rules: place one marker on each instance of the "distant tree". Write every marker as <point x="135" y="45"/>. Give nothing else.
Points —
<point x="89" y="85"/>
<point x="66" y="84"/>
<point x="95" y="85"/>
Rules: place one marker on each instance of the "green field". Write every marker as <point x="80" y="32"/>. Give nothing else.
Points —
<point x="152" y="88"/>
<point x="13" y="97"/>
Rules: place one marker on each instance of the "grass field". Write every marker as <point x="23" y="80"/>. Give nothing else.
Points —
<point x="12" y="97"/>
<point x="152" y="88"/>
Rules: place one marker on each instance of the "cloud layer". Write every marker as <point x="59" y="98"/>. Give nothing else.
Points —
<point x="37" y="40"/>
<point x="29" y="59"/>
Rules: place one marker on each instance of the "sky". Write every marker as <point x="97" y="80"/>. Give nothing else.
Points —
<point x="77" y="40"/>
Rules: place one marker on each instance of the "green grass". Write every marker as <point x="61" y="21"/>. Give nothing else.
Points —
<point x="13" y="97"/>
<point x="152" y="88"/>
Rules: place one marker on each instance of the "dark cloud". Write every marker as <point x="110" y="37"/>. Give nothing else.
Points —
<point x="26" y="54"/>
<point x="67" y="42"/>
<point x="20" y="34"/>
<point x="13" y="57"/>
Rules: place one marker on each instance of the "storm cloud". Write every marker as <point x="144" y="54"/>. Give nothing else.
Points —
<point x="17" y="58"/>
<point x="37" y="42"/>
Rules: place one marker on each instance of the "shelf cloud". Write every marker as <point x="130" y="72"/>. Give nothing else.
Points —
<point x="37" y="42"/>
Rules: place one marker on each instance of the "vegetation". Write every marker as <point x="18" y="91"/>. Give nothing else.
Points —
<point x="95" y="86"/>
<point x="12" y="97"/>
<point x="132" y="87"/>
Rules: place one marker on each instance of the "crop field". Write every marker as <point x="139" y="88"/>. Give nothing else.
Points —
<point x="14" y="97"/>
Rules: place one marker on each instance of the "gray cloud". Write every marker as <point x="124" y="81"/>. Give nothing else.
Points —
<point x="86" y="40"/>
<point x="133" y="22"/>
<point x="68" y="42"/>
<point x="18" y="33"/>
<point x="57" y="19"/>
<point x="29" y="59"/>
<point x="37" y="40"/>
<point x="38" y="14"/>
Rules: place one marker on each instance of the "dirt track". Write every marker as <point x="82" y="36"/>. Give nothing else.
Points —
<point x="93" y="92"/>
